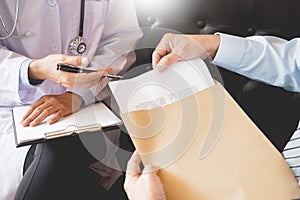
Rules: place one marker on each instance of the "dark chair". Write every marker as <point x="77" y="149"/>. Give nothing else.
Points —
<point x="59" y="169"/>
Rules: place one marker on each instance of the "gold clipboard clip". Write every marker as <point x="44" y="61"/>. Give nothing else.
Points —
<point x="71" y="129"/>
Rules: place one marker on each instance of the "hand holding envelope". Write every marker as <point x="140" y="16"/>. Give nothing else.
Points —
<point x="203" y="142"/>
<point x="142" y="184"/>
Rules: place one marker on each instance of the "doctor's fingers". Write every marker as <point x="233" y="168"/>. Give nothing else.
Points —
<point x="73" y="60"/>
<point x="30" y="111"/>
<point x="38" y="117"/>
<point x="57" y="115"/>
<point x="45" y="110"/>
<point x="74" y="80"/>
<point x="48" y="105"/>
<point x="83" y="80"/>
<point x="38" y="114"/>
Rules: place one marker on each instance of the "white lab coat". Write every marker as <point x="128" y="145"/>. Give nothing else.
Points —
<point x="110" y="31"/>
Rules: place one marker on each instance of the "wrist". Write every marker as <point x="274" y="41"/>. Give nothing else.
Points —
<point x="210" y="43"/>
<point x="214" y="45"/>
<point x="34" y="71"/>
<point x="76" y="99"/>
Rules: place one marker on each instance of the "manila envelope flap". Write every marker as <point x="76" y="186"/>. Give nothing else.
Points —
<point x="208" y="148"/>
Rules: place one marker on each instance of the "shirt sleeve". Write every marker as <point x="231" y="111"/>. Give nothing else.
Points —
<point x="25" y="82"/>
<point x="269" y="59"/>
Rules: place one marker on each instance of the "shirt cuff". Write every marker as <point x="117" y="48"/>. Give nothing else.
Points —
<point x="86" y="94"/>
<point x="24" y="82"/>
<point x="230" y="51"/>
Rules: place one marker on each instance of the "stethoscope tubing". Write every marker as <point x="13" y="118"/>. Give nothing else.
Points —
<point x="10" y="33"/>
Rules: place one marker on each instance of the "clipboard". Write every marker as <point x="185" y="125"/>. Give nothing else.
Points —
<point x="94" y="117"/>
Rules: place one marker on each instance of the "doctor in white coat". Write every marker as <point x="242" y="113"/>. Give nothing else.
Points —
<point x="34" y="36"/>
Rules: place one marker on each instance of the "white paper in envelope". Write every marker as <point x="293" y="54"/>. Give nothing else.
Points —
<point x="205" y="144"/>
<point x="159" y="89"/>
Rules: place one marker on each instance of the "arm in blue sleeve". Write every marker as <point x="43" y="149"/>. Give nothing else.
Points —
<point x="25" y="82"/>
<point x="268" y="59"/>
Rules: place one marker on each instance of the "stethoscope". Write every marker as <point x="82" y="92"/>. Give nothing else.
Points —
<point x="76" y="46"/>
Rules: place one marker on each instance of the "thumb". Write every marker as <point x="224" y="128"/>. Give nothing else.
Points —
<point x="167" y="61"/>
<point x="133" y="165"/>
<point x="76" y="60"/>
<point x="151" y="169"/>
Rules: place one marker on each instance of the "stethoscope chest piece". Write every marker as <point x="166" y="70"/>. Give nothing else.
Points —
<point x="77" y="46"/>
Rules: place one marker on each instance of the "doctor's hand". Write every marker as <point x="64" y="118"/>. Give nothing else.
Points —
<point x="45" y="68"/>
<point x="176" y="47"/>
<point x="145" y="185"/>
<point x="58" y="105"/>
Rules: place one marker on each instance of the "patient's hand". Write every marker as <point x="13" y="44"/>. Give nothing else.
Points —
<point x="145" y="185"/>
<point x="176" y="47"/>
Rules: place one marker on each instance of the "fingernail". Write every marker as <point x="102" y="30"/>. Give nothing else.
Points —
<point x="107" y="71"/>
<point x="32" y="124"/>
<point x="110" y="70"/>
<point x="84" y="61"/>
<point x="23" y="122"/>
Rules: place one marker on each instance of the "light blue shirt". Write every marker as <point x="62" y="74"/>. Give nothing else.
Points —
<point x="269" y="59"/>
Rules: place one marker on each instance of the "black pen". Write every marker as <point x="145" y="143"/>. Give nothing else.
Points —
<point x="73" y="69"/>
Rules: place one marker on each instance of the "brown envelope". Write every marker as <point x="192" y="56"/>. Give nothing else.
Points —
<point x="208" y="148"/>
